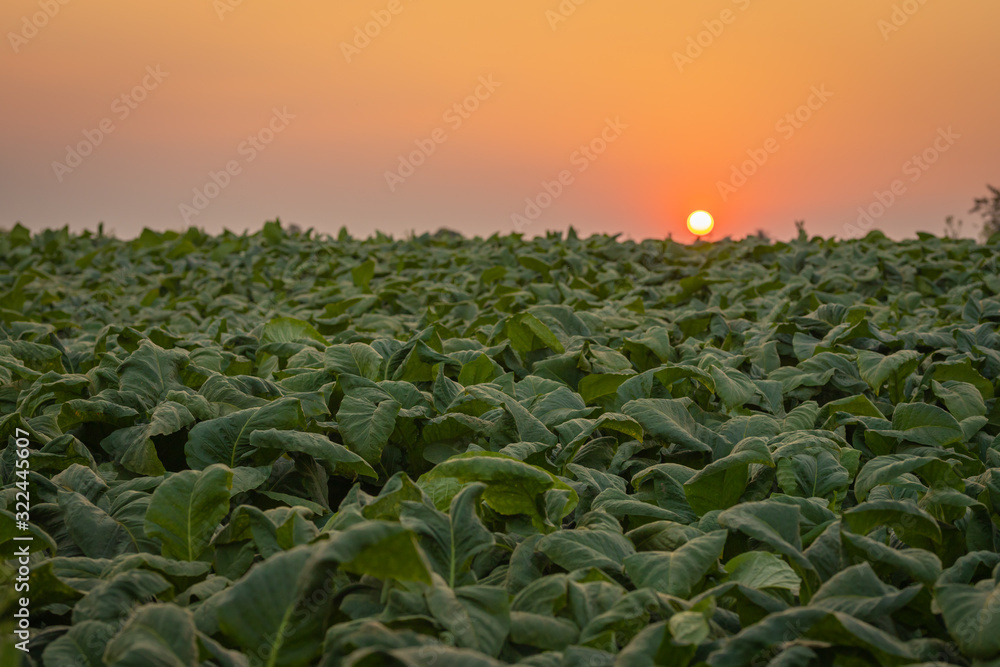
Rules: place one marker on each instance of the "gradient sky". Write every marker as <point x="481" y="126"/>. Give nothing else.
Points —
<point x="676" y="121"/>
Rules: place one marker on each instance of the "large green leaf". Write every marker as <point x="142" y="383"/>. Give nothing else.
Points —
<point x="677" y="572"/>
<point x="529" y="427"/>
<point x="733" y="387"/>
<point x="186" y="509"/>
<point x="720" y="484"/>
<point x="227" y="439"/>
<point x="884" y="469"/>
<point x="156" y="634"/>
<point x="578" y="549"/>
<point x="288" y="329"/>
<point x="451" y="540"/>
<point x="512" y="487"/>
<point x="151" y="372"/>
<point x="334" y="457"/>
<point x="831" y="628"/>
<point x="670" y="422"/>
<point x="528" y="333"/>
<point x="775" y="524"/>
<point x="376" y="548"/>
<point x="913" y="525"/>
<point x="817" y="474"/>
<point x="113" y="599"/>
<point x="354" y="359"/>
<point x="970" y="614"/>
<point x="918" y="564"/>
<point x="875" y="368"/>
<point x="925" y="424"/>
<point x="82" y="645"/>
<point x="366" y="427"/>
<point x="266" y="614"/>
<point x="134" y="448"/>
<point x="477" y="616"/>
<point x="763" y="570"/>
<point x="101" y="533"/>
<point x="859" y="592"/>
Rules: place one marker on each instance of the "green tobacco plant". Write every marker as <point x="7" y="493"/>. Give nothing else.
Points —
<point x="281" y="450"/>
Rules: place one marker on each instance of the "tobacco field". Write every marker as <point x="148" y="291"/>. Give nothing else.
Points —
<point x="278" y="449"/>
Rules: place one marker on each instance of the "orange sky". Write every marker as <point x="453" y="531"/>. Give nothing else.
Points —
<point x="675" y="125"/>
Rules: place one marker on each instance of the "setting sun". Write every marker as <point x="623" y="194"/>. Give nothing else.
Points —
<point x="700" y="223"/>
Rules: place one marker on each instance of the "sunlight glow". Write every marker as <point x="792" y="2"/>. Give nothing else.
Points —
<point x="700" y="223"/>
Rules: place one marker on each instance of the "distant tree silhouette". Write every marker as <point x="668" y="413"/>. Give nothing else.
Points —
<point x="988" y="208"/>
<point x="800" y="227"/>
<point x="952" y="227"/>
